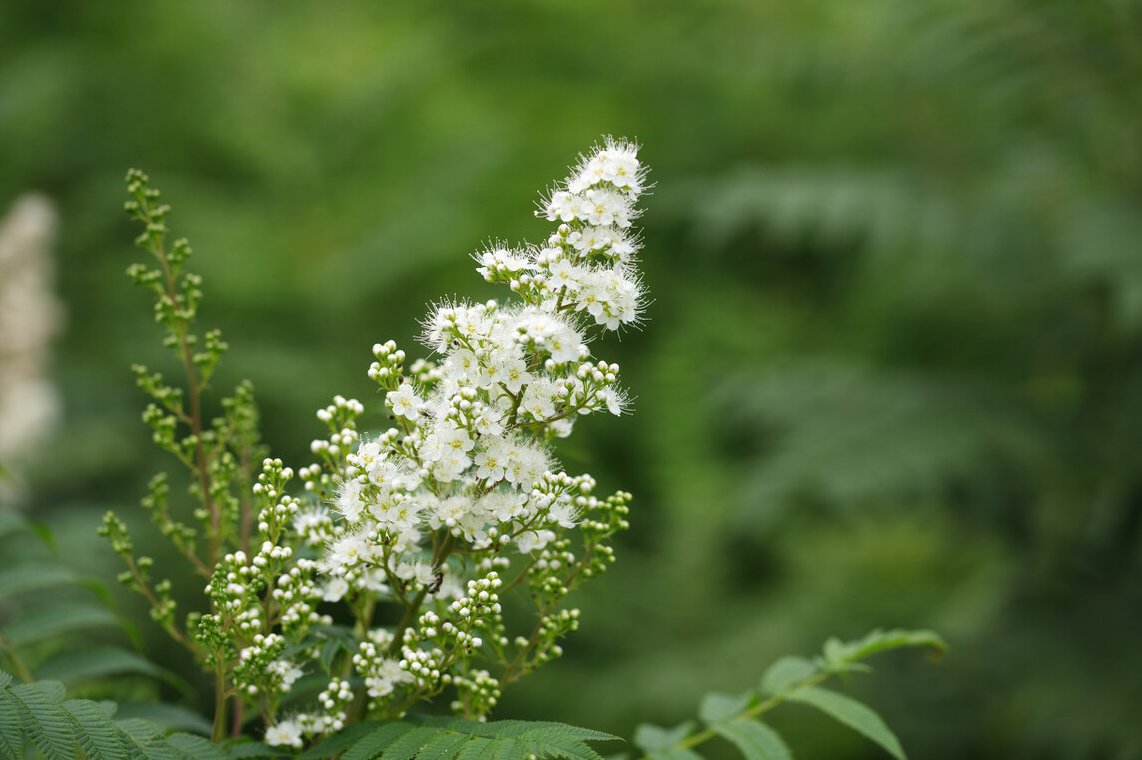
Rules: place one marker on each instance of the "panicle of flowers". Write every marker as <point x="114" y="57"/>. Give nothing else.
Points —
<point x="427" y="513"/>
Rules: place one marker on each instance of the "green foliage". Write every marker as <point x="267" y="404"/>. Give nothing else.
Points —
<point x="35" y="715"/>
<point x="457" y="739"/>
<point x="51" y="618"/>
<point x="790" y="679"/>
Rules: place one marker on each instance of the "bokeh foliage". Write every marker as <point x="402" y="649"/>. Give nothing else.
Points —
<point x="893" y="373"/>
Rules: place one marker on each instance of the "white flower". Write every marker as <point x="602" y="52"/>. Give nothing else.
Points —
<point x="335" y="590"/>
<point x="534" y="540"/>
<point x="404" y="402"/>
<point x="538" y="399"/>
<point x="491" y="466"/>
<point x="510" y="372"/>
<point x="285" y="733"/>
<point x="349" y="502"/>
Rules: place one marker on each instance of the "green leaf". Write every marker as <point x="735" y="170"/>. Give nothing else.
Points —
<point x="443" y="746"/>
<point x="138" y="729"/>
<point x="786" y="672"/>
<point x="11" y="727"/>
<point x="99" y="738"/>
<point x="398" y="741"/>
<point x="35" y="576"/>
<point x="44" y="622"/>
<point x="342" y="740"/>
<point x="882" y="641"/>
<point x="48" y="725"/>
<point x="716" y="707"/>
<point x="534" y="730"/>
<point x="474" y="748"/>
<point x="756" y="740"/>
<point x="5" y="679"/>
<point x="853" y="714"/>
<point x="97" y="661"/>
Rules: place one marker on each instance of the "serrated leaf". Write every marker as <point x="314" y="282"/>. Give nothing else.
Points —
<point x="99" y="738"/>
<point x="57" y="620"/>
<point x="196" y="747"/>
<point x="166" y="716"/>
<point x="473" y="748"/>
<point x="97" y="661"/>
<point x="786" y="672"/>
<point x="443" y="746"/>
<point x="851" y="713"/>
<point x="138" y="729"/>
<point x="54" y="689"/>
<point x="754" y="739"/>
<point x="35" y="576"/>
<point x="340" y="741"/>
<point x="398" y="741"/>
<point x="377" y="740"/>
<point x="718" y="707"/>
<point x="49" y="727"/>
<point x="5" y="679"/>
<point x="11" y="727"/>
<point x="534" y="730"/>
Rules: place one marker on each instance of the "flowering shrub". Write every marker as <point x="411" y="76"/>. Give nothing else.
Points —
<point x="433" y="523"/>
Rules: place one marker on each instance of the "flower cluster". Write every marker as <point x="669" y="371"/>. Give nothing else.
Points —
<point x="421" y="532"/>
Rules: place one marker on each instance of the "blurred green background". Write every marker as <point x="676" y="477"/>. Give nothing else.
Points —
<point x="892" y="373"/>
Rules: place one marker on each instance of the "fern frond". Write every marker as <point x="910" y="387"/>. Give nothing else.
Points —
<point x="98" y="737"/>
<point x="52" y="730"/>
<point x="11" y="727"/>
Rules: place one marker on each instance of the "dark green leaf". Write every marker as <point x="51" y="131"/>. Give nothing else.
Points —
<point x="754" y="739"/>
<point x="786" y="672"/>
<point x="852" y="713"/>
